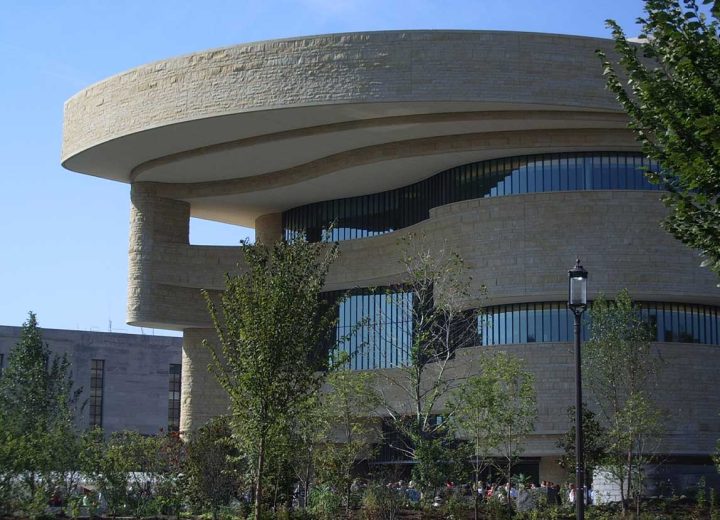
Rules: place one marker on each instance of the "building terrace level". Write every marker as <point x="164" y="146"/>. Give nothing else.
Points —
<point x="263" y="127"/>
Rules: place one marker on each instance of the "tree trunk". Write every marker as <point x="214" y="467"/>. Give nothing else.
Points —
<point x="275" y="495"/>
<point x="509" y="475"/>
<point x="306" y="488"/>
<point x="629" y="475"/>
<point x="31" y="484"/>
<point x="259" y="476"/>
<point x="477" y="490"/>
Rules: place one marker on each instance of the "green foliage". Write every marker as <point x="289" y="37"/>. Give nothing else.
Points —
<point x="380" y="503"/>
<point x="701" y="493"/>
<point x="439" y="459"/>
<point x="346" y="426"/>
<point x="497" y="410"/>
<point x="439" y="308"/>
<point x="111" y="470"/>
<point x="713" y="502"/>
<point x="133" y="472"/>
<point x="498" y="510"/>
<point x="37" y="411"/>
<point x="620" y="369"/>
<point x="456" y="507"/>
<point x="170" y="478"/>
<point x="212" y="467"/>
<point x="270" y="322"/>
<point x="594" y="441"/>
<point x="471" y="406"/>
<point x="324" y="503"/>
<point x="669" y="86"/>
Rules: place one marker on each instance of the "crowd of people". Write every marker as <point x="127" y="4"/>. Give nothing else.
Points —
<point x="523" y="496"/>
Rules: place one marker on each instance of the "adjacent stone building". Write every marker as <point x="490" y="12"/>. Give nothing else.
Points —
<point x="503" y="146"/>
<point x="128" y="381"/>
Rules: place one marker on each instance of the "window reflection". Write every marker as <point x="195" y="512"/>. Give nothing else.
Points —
<point x="551" y="322"/>
<point x="379" y="213"/>
<point x="375" y="329"/>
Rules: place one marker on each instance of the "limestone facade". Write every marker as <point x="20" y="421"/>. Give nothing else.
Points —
<point x="243" y="134"/>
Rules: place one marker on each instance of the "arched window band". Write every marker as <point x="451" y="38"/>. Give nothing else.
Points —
<point x="379" y="213"/>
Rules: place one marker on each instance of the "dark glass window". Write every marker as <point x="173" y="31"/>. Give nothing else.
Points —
<point x="174" y="385"/>
<point x="391" y="449"/>
<point x="375" y="328"/>
<point x="551" y="322"/>
<point x="378" y="213"/>
<point x="97" y="376"/>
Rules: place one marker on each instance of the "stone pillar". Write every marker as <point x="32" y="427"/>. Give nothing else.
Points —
<point x="268" y="228"/>
<point x="153" y="221"/>
<point x="550" y="470"/>
<point x="202" y="397"/>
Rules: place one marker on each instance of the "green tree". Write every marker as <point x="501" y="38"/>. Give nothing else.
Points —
<point x="270" y="322"/>
<point x="472" y="405"/>
<point x="170" y="481"/>
<point x="498" y="407"/>
<point x="594" y="442"/>
<point x="37" y="412"/>
<point x="669" y="85"/>
<point x="620" y="369"/>
<point x="440" y="316"/>
<point x="309" y="432"/>
<point x="347" y="409"/>
<point x="213" y="467"/>
<point x="136" y="474"/>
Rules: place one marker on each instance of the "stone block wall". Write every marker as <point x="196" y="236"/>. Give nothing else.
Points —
<point x="136" y="374"/>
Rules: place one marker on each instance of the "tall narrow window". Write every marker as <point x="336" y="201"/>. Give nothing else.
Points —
<point x="174" y="384"/>
<point x="97" y="375"/>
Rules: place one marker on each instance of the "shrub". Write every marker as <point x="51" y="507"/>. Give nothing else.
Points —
<point x="457" y="507"/>
<point x="325" y="503"/>
<point x="380" y="503"/>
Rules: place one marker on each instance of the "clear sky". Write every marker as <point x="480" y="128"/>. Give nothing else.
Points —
<point x="64" y="236"/>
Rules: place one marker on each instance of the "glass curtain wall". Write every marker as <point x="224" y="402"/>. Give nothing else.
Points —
<point x="375" y="328"/>
<point x="551" y="322"/>
<point x="378" y="213"/>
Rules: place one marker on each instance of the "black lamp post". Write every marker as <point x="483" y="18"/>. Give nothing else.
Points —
<point x="577" y="303"/>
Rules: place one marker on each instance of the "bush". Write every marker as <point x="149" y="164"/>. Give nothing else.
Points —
<point x="324" y="503"/>
<point x="212" y="471"/>
<point x="496" y="509"/>
<point x="457" y="507"/>
<point x="380" y="503"/>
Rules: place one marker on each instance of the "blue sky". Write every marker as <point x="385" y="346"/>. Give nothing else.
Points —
<point x="63" y="236"/>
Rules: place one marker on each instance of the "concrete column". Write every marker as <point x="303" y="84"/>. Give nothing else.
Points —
<point x="202" y="397"/>
<point x="153" y="221"/>
<point x="268" y="228"/>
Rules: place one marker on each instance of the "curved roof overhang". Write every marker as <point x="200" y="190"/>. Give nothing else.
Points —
<point x="263" y="127"/>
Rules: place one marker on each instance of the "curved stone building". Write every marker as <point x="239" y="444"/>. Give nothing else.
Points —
<point x="504" y="146"/>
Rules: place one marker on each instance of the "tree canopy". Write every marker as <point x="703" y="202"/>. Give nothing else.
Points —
<point x="270" y="322"/>
<point x="441" y="312"/>
<point x="37" y="411"/>
<point x="669" y="85"/>
<point x="620" y="368"/>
